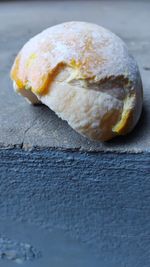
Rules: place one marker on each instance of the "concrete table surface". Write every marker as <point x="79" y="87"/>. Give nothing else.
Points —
<point x="65" y="200"/>
<point x="38" y="126"/>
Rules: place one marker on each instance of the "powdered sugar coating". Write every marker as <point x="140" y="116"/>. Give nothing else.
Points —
<point x="95" y="51"/>
<point x="90" y="78"/>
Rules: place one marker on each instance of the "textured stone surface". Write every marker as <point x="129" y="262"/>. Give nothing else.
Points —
<point x="100" y="201"/>
<point x="38" y="126"/>
<point x="36" y="247"/>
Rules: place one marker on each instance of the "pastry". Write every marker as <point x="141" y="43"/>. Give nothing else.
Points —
<point x="85" y="74"/>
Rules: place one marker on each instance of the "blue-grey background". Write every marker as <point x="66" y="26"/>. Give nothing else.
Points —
<point x="64" y="200"/>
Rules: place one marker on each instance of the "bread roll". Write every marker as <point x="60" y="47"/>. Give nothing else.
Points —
<point x="85" y="74"/>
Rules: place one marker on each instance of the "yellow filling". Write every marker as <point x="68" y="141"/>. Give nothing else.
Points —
<point x="126" y="116"/>
<point x="14" y="72"/>
<point x="30" y="60"/>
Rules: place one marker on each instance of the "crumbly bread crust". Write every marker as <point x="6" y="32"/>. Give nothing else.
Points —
<point x="85" y="74"/>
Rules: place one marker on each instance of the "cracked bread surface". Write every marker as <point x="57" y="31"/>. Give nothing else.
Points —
<point x="85" y="74"/>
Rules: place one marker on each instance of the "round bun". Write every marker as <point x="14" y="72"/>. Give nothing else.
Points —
<point x="85" y="74"/>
